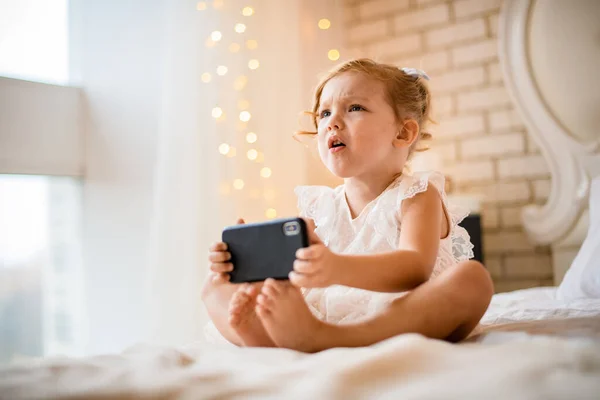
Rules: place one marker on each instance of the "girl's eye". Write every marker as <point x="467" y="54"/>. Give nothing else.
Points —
<point x="325" y="113"/>
<point x="356" y="107"/>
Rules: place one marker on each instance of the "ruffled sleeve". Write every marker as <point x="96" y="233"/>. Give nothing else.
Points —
<point x="318" y="204"/>
<point x="409" y="186"/>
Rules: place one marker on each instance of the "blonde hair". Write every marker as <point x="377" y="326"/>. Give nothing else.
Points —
<point x="406" y="93"/>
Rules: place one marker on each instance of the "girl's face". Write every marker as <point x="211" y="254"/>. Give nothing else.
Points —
<point x="356" y="127"/>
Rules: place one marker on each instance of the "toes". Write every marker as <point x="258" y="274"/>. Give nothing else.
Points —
<point x="262" y="312"/>
<point x="264" y="301"/>
<point x="272" y="284"/>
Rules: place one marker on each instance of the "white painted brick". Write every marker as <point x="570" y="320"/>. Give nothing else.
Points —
<point x="396" y="47"/>
<point x="496" y="75"/>
<point x="490" y="217"/>
<point x="493" y="145"/>
<point x="429" y="62"/>
<point x="503" y="242"/>
<point x="511" y="217"/>
<point x="471" y="171"/>
<point x="525" y="166"/>
<point x="494" y="266"/>
<point x="445" y="152"/>
<point x="503" y="193"/>
<point x="458" y="126"/>
<point x="475" y="53"/>
<point x="532" y="145"/>
<point x="365" y="32"/>
<point x="422" y="18"/>
<point x="528" y="266"/>
<point x="421" y="3"/>
<point x="441" y="106"/>
<point x="378" y="8"/>
<point x="503" y="120"/>
<point x="483" y="99"/>
<point x="456" y="33"/>
<point x="493" y="21"/>
<point x="461" y="79"/>
<point x="468" y="8"/>
<point x="541" y="189"/>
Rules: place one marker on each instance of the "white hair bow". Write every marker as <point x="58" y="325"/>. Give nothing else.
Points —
<point x="415" y="72"/>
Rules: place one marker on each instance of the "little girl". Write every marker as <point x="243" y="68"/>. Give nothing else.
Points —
<point x="386" y="254"/>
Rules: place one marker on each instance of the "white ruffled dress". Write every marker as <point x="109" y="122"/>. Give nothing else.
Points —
<point x="375" y="230"/>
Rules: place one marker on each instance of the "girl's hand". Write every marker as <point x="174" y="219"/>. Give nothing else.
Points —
<point x="219" y="259"/>
<point x="316" y="265"/>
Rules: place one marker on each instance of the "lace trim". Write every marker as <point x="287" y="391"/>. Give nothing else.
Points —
<point x="318" y="204"/>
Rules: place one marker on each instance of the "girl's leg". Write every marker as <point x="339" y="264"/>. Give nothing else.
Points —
<point x="447" y="307"/>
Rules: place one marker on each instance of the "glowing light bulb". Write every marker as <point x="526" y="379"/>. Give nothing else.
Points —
<point x="333" y="54"/>
<point x="240" y="28"/>
<point x="240" y="82"/>
<point x="245" y="116"/>
<point x="222" y="70"/>
<point x="265" y="172"/>
<point x="271" y="213"/>
<point x="206" y="77"/>
<point x="224" y="148"/>
<point x="324" y="23"/>
<point x="238" y="184"/>
<point x="247" y="11"/>
<point x="260" y="158"/>
<point x="251" y="44"/>
<point x="234" y="47"/>
<point x="216" y="36"/>
<point x="253" y="64"/>
<point x="252" y="154"/>
<point x="251" y="137"/>
<point x="217" y="112"/>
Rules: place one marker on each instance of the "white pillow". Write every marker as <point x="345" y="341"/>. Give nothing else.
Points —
<point x="582" y="280"/>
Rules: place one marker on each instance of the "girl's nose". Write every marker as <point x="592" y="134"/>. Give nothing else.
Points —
<point x="335" y="123"/>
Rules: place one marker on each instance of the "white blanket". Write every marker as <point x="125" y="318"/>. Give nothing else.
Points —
<point x="407" y="367"/>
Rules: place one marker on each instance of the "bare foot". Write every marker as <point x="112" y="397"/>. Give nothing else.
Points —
<point x="287" y="319"/>
<point x="243" y="318"/>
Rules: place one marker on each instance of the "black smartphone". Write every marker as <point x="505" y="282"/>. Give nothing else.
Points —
<point x="264" y="250"/>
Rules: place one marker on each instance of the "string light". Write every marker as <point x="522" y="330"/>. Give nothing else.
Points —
<point x="224" y="148"/>
<point x="253" y="64"/>
<point x="238" y="184"/>
<point x="252" y="154"/>
<point x="251" y="44"/>
<point x="333" y="54"/>
<point x="201" y="6"/>
<point x="217" y="112"/>
<point x="245" y="116"/>
<point x="240" y="28"/>
<point x="324" y="23"/>
<point x="247" y="11"/>
<point x="265" y="172"/>
<point x="221" y="70"/>
<point x="271" y="213"/>
<point x="216" y="36"/>
<point x="206" y="77"/>
<point x="240" y="82"/>
<point x="260" y="158"/>
<point x="234" y="47"/>
<point x="251" y="137"/>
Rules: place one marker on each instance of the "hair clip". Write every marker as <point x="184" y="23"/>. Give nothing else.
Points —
<point x="415" y="72"/>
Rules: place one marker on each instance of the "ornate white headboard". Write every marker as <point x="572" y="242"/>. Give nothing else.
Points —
<point x="550" y="56"/>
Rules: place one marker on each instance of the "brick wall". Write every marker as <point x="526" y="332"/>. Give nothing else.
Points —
<point x="480" y="138"/>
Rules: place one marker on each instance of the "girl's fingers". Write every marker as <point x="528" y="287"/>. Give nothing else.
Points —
<point x="221" y="267"/>
<point x="219" y="256"/>
<point x="218" y="246"/>
<point x="303" y="267"/>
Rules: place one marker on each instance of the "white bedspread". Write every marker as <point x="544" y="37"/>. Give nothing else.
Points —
<point x="407" y="367"/>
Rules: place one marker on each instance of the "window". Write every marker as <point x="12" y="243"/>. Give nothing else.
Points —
<point x="40" y="266"/>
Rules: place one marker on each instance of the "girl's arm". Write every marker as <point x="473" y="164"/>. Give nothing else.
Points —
<point x="423" y="224"/>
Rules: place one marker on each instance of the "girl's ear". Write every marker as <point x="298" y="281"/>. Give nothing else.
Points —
<point x="408" y="134"/>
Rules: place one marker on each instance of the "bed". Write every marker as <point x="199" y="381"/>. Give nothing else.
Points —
<point x="541" y="343"/>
